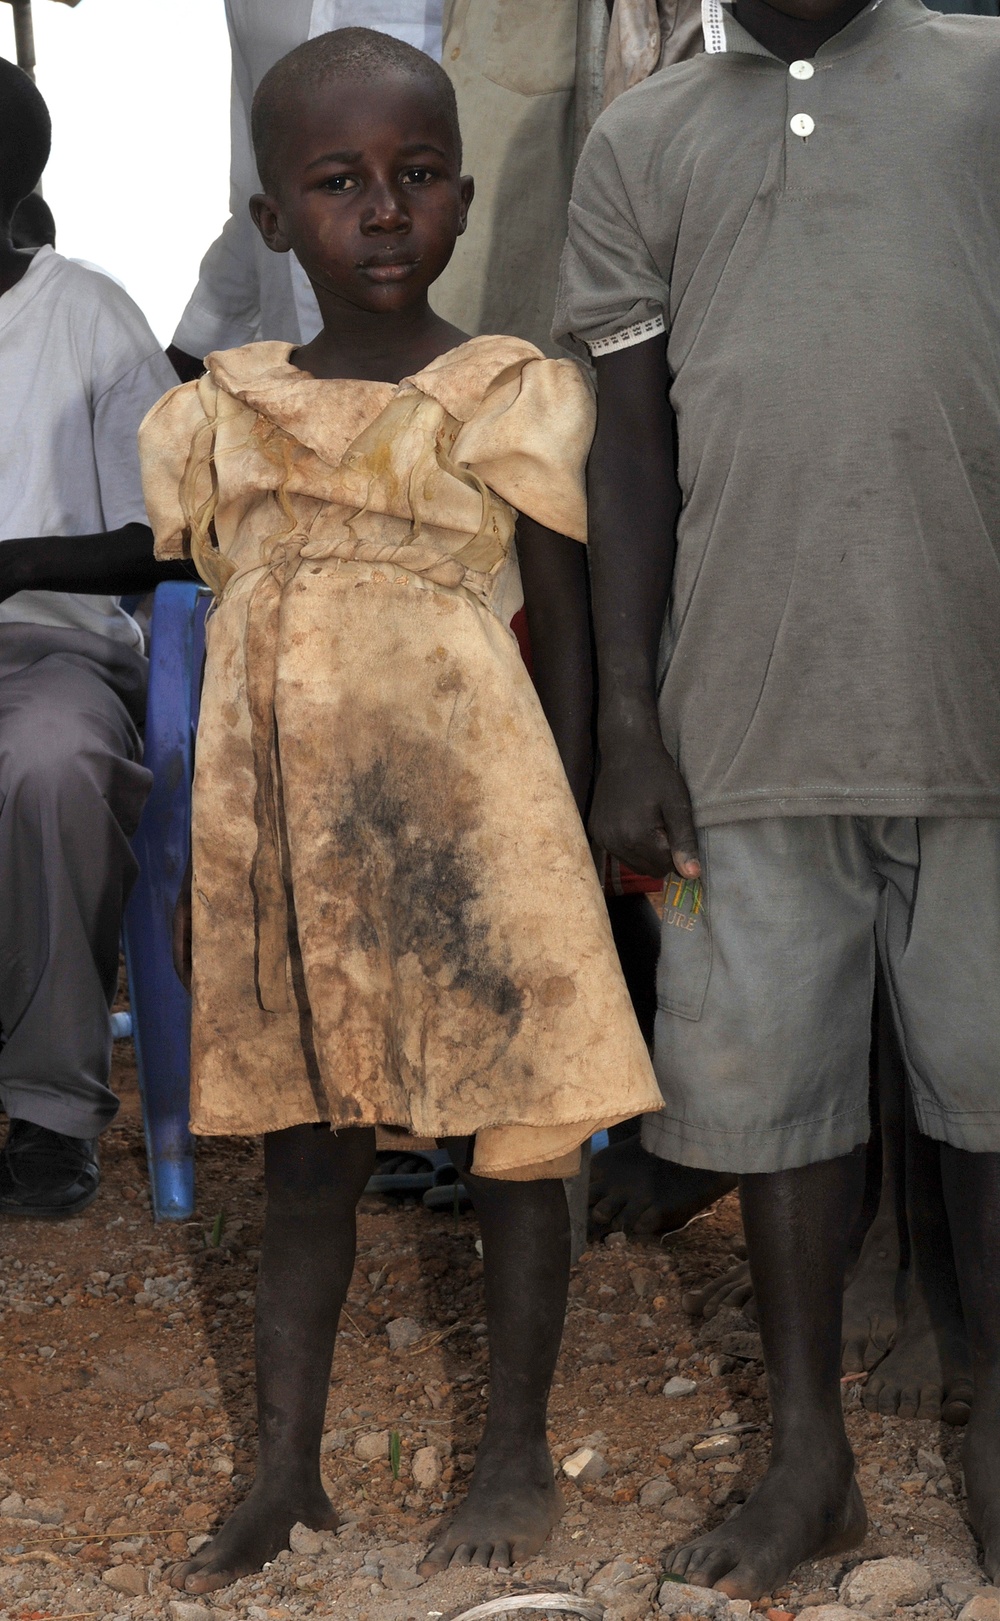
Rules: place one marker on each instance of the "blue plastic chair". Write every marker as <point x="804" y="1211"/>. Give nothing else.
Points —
<point x="161" y="1008"/>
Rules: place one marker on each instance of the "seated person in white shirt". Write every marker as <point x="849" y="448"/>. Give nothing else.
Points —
<point x="79" y="368"/>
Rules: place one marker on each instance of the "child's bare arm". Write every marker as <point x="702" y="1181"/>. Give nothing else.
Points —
<point x="110" y="564"/>
<point x="554" y="576"/>
<point x="641" y="810"/>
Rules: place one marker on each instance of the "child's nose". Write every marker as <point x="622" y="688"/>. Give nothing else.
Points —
<point x="386" y="211"/>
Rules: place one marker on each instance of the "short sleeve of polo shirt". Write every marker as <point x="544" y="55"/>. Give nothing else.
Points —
<point x="611" y="293"/>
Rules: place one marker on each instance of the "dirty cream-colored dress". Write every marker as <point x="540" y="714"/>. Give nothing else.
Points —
<point x="396" y="916"/>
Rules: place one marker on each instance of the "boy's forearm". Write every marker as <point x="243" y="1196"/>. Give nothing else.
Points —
<point x="556" y="600"/>
<point x="641" y="810"/>
<point x="634" y="504"/>
<point x="109" y="564"/>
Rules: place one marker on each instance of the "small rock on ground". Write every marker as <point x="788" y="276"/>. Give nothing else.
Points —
<point x="982" y="1606"/>
<point x="184" y="1610"/>
<point x="678" y="1598"/>
<point x="403" y="1332"/>
<point x="370" y="1447"/>
<point x="879" y="1585"/>
<point x="426" y="1468"/>
<point x="685" y="1511"/>
<point x="585" y="1466"/>
<point x="302" y="1539"/>
<point x="834" y="1612"/>
<point x="657" y="1492"/>
<point x="126" y="1579"/>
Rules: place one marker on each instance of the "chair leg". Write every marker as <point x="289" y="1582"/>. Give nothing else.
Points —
<point x="161" y="1010"/>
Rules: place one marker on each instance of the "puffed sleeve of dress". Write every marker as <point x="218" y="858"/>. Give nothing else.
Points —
<point x="169" y="438"/>
<point x="529" y="439"/>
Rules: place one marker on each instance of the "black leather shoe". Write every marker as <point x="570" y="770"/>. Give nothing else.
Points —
<point x="45" y="1174"/>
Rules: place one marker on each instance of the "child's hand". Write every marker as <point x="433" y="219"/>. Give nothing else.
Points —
<point x="181" y="934"/>
<point x="641" y="810"/>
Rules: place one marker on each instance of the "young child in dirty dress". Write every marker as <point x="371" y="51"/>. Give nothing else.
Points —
<point x="396" y="919"/>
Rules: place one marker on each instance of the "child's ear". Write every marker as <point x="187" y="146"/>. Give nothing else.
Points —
<point x="466" y="192"/>
<point x="266" y="216"/>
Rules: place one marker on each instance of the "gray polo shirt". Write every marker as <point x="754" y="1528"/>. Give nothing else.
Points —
<point x="822" y="245"/>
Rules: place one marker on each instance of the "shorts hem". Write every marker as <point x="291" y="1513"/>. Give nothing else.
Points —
<point x="772" y="804"/>
<point x="974" y="1133"/>
<point x="756" y="1152"/>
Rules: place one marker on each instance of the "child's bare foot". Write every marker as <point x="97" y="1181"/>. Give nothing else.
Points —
<point x="252" y="1535"/>
<point x="633" y="1191"/>
<point x="806" y="1509"/>
<point x="512" y="1505"/>
<point x="869" y="1299"/>
<point x="928" y="1372"/>
<point x="731" y="1288"/>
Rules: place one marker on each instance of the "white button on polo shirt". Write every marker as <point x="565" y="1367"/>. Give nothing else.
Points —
<point x="802" y="125"/>
<point x="801" y="70"/>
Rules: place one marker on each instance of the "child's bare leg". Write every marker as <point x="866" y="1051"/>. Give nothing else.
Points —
<point x="808" y="1505"/>
<point x="513" y="1502"/>
<point x="314" y="1179"/>
<point x="972" y="1191"/>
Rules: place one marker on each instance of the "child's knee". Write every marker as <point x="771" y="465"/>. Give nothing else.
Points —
<point x="312" y="1163"/>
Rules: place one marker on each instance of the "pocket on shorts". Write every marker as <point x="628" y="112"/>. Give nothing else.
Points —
<point x="685" y="964"/>
<point x="529" y="46"/>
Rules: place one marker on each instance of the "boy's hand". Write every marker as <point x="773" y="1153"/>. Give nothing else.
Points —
<point x="641" y="810"/>
<point x="181" y="934"/>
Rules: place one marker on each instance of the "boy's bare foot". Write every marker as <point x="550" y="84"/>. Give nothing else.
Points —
<point x="252" y="1535"/>
<point x="512" y="1505"/>
<point x="634" y="1191"/>
<point x="869" y="1300"/>
<point x="808" y="1509"/>
<point x="870" y="1297"/>
<point x="732" y="1288"/>
<point x="928" y="1372"/>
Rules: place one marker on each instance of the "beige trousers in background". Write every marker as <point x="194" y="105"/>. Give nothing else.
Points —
<point x="531" y="77"/>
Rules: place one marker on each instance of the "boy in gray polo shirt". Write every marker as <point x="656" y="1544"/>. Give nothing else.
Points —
<point x="784" y="257"/>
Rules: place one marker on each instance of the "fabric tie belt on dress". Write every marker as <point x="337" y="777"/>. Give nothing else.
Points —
<point x="424" y="550"/>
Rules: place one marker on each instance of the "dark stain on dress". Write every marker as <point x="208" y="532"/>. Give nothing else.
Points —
<point x="402" y="841"/>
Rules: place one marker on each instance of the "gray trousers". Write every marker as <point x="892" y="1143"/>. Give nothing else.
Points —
<point x="71" y="792"/>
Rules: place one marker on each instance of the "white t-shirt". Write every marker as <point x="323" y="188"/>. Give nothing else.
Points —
<point x="244" y="290"/>
<point x="79" y="369"/>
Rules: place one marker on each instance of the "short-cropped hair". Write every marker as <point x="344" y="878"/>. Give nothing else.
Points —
<point x="360" y="54"/>
<point x="25" y="137"/>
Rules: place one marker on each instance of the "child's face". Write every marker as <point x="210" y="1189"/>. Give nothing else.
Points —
<point x="369" y="196"/>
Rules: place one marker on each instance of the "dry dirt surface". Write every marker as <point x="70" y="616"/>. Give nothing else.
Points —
<point x="127" y="1429"/>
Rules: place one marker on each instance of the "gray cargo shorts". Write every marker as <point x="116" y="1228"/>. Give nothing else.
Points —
<point x="766" y="978"/>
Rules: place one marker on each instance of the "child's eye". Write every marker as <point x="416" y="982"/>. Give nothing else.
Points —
<point x="417" y="177"/>
<point x="339" y="183"/>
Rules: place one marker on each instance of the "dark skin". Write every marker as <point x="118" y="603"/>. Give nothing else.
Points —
<point x="112" y="563"/>
<point x="797" y="1222"/>
<point x="367" y="191"/>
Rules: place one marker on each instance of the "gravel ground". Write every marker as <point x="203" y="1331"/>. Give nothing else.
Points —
<point x="126" y="1421"/>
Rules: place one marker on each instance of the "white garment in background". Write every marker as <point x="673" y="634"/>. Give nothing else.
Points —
<point x="79" y="369"/>
<point x="244" y="291"/>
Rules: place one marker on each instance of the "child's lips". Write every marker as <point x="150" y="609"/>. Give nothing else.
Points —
<point x="389" y="269"/>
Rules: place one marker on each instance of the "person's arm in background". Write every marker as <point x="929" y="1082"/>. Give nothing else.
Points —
<point x="641" y="811"/>
<point x="117" y="562"/>
<point x="554" y="579"/>
<point x="224" y="309"/>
